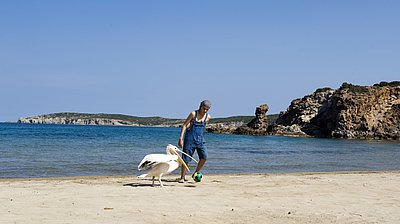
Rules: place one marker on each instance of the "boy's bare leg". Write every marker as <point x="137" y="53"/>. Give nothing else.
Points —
<point x="200" y="165"/>
<point x="183" y="173"/>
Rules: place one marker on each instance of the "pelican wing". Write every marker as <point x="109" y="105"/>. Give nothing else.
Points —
<point x="153" y="160"/>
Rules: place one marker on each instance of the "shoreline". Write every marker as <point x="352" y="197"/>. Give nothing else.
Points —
<point x="306" y="197"/>
<point x="213" y="174"/>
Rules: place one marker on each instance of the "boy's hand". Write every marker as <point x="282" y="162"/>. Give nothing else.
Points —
<point x="180" y="143"/>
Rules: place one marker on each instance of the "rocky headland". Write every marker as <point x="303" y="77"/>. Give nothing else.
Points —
<point x="351" y="112"/>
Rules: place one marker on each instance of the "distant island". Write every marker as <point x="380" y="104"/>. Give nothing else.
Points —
<point x="99" y="119"/>
<point x="126" y="120"/>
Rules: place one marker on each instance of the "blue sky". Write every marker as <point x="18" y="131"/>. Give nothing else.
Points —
<point x="161" y="58"/>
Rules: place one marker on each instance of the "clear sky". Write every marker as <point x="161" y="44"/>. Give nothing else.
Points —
<point x="161" y="58"/>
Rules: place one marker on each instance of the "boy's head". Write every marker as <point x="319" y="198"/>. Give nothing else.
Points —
<point x="206" y="104"/>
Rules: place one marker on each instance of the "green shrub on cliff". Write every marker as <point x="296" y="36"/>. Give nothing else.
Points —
<point x="391" y="84"/>
<point x="322" y="89"/>
<point x="354" y="88"/>
<point x="245" y="119"/>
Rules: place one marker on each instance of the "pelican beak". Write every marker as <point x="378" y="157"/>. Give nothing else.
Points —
<point x="183" y="163"/>
<point x="176" y="149"/>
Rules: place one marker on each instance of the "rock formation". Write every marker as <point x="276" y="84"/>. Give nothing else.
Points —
<point x="362" y="112"/>
<point x="257" y="126"/>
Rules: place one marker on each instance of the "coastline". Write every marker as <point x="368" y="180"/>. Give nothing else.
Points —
<point x="306" y="197"/>
<point x="174" y="175"/>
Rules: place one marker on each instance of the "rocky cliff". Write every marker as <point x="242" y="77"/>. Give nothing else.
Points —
<point x="300" y="112"/>
<point x="362" y="112"/>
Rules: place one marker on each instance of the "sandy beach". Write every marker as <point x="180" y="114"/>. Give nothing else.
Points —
<point x="341" y="197"/>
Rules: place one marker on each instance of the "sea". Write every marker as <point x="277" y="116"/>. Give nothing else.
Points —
<point x="48" y="150"/>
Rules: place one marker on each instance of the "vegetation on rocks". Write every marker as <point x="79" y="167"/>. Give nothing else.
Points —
<point x="391" y="84"/>
<point x="354" y="88"/>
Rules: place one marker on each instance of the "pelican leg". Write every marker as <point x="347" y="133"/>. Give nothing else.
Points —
<point x="153" y="180"/>
<point x="159" y="180"/>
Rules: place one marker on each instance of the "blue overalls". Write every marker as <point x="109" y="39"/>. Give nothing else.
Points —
<point x="194" y="140"/>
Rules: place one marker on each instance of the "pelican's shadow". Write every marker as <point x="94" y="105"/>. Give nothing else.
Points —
<point x="156" y="184"/>
<point x="138" y="185"/>
<point x="145" y="185"/>
<point x="149" y="183"/>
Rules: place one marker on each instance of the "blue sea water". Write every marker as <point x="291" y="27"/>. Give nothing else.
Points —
<point x="34" y="150"/>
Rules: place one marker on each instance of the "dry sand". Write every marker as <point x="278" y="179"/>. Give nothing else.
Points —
<point x="346" y="197"/>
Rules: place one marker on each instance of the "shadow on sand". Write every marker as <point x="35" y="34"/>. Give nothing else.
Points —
<point x="156" y="184"/>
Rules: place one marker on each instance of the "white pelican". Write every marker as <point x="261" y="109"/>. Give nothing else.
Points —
<point x="157" y="165"/>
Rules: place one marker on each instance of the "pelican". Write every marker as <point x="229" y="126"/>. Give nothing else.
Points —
<point x="157" y="165"/>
